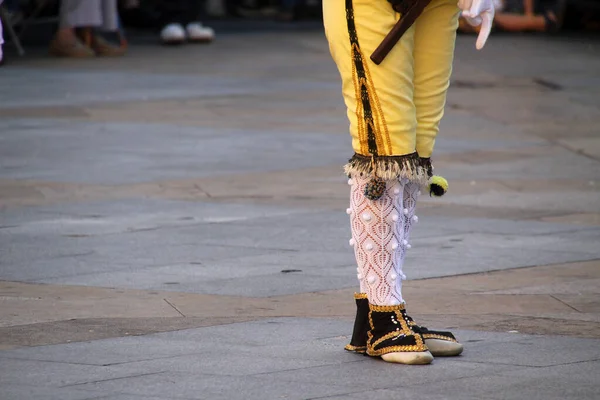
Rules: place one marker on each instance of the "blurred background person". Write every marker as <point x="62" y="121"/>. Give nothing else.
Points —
<point x="252" y="8"/>
<point x="80" y="23"/>
<point x="181" y="22"/>
<point x="531" y="15"/>
<point x="1" y="39"/>
<point x="525" y="16"/>
<point x="282" y="10"/>
<point x="287" y="10"/>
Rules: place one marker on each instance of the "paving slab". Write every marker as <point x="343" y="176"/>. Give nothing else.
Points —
<point x="59" y="374"/>
<point x="553" y="200"/>
<point x="132" y="397"/>
<point x="429" y="225"/>
<point x="126" y="215"/>
<point x="403" y="394"/>
<point x="280" y="331"/>
<point x="77" y="87"/>
<point x="197" y="386"/>
<point x="536" y="351"/>
<point x="575" y="381"/>
<point x="93" y="258"/>
<point x="375" y="374"/>
<point x="478" y="252"/>
<point x="228" y="363"/>
<point x="126" y="153"/>
<point x="109" y="351"/>
<point x="276" y="284"/>
<point x="298" y="358"/>
<point x="20" y="392"/>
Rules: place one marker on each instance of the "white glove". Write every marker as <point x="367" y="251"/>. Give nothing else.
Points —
<point x="479" y="12"/>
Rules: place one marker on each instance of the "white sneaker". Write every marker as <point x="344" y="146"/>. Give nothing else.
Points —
<point x="172" y="34"/>
<point x="196" y="32"/>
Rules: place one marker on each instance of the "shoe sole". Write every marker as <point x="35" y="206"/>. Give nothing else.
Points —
<point x="176" y="42"/>
<point x="205" y="40"/>
<point x="356" y="349"/>
<point x="443" y="348"/>
<point x="110" y="55"/>
<point x="409" y="358"/>
<point x="74" y="55"/>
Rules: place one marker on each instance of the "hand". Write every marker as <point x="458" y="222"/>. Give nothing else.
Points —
<point x="479" y="12"/>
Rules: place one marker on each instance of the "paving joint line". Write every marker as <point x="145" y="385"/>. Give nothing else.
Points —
<point x="47" y="361"/>
<point x="175" y="308"/>
<point x="112" y="379"/>
<point x="259" y="374"/>
<point x="508" y="269"/>
<point x="566" y="304"/>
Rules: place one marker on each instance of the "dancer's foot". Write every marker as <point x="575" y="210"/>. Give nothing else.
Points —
<point x="409" y="358"/>
<point x="443" y="347"/>
<point x="440" y="343"/>
<point x="358" y="343"/>
<point x="392" y="339"/>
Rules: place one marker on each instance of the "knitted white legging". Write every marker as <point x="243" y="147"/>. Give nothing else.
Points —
<point x="380" y="235"/>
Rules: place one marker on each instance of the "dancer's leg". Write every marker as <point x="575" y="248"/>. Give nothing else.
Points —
<point x="435" y="34"/>
<point x="440" y="343"/>
<point x="380" y="230"/>
<point x="379" y="98"/>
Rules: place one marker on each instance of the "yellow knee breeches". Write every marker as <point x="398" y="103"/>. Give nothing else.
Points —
<point x="394" y="108"/>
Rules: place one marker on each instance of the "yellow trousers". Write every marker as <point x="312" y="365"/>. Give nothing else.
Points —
<point x="394" y="108"/>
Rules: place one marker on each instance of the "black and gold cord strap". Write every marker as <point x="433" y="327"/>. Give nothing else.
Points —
<point x="363" y="91"/>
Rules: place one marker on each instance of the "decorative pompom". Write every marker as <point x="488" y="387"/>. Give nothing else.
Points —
<point x="438" y="186"/>
<point x="374" y="189"/>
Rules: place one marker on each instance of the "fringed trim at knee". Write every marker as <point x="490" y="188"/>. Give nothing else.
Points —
<point x="427" y="166"/>
<point x="388" y="167"/>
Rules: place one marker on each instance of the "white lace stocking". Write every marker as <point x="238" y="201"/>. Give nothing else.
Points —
<point x="380" y="234"/>
<point x="411" y="193"/>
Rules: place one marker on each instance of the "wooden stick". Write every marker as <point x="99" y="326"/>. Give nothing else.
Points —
<point x="398" y="30"/>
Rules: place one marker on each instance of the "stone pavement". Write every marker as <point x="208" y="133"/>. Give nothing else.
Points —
<point x="172" y="226"/>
